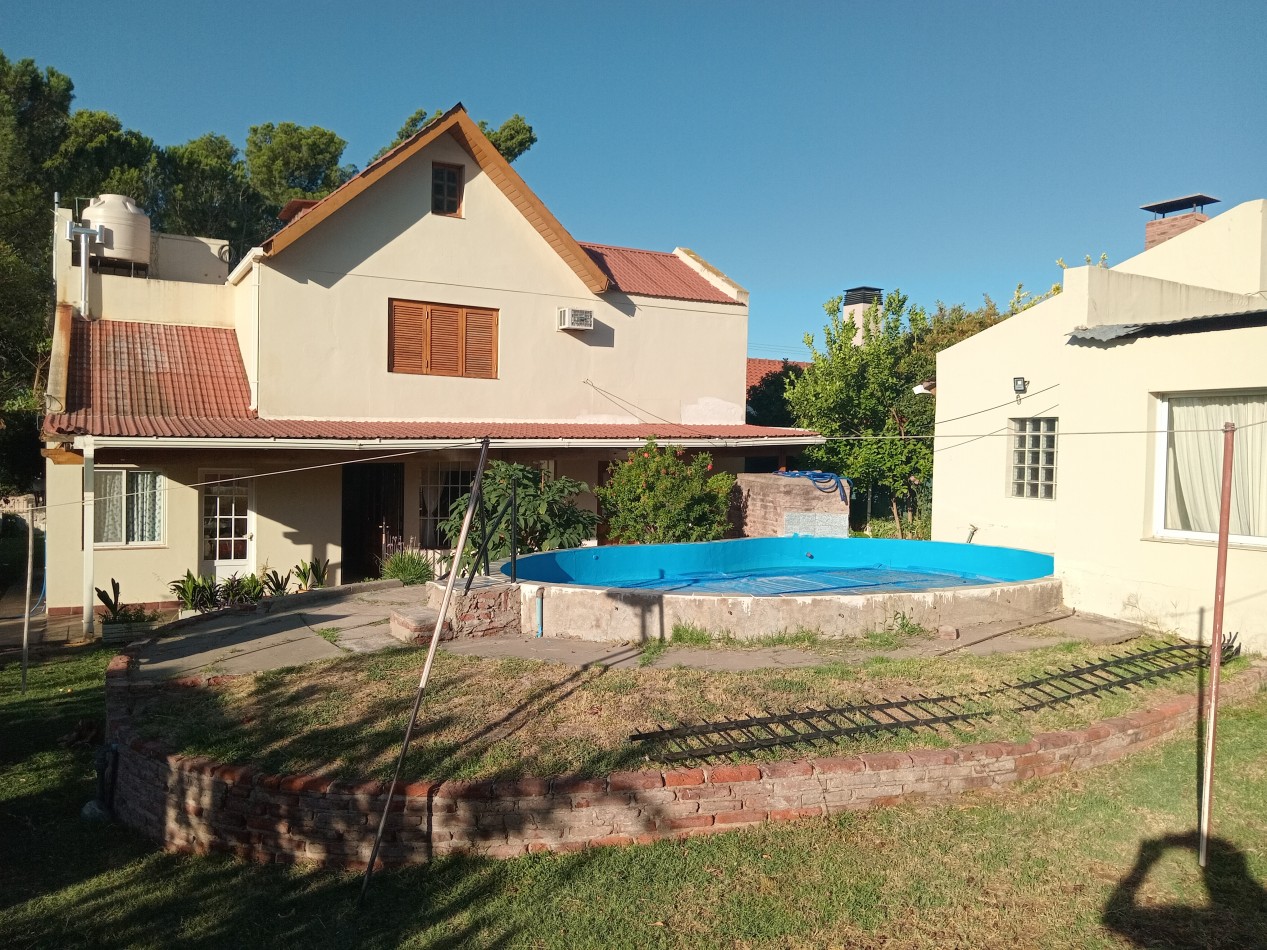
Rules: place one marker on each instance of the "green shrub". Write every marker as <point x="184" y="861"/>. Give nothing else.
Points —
<point x="549" y="517"/>
<point x="409" y="566"/>
<point x="659" y="495"/>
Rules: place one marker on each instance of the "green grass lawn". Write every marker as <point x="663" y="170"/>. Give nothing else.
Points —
<point x="506" y="718"/>
<point x="1036" y="866"/>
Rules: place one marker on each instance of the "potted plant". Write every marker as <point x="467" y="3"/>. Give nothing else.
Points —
<point x="123" y="622"/>
<point x="197" y="595"/>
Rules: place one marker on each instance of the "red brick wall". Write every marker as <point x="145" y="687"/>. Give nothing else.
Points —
<point x="1160" y="230"/>
<point x="760" y="502"/>
<point x="193" y="804"/>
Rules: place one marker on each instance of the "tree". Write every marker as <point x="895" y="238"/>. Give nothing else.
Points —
<point x="767" y="399"/>
<point x="548" y="516"/>
<point x="208" y="191"/>
<point x="860" y="397"/>
<point x="512" y="138"/>
<point x="288" y="161"/>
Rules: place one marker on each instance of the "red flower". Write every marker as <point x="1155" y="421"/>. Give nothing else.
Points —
<point x="710" y="466"/>
<point x="645" y="455"/>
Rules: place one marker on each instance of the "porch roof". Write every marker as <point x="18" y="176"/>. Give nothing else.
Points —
<point x="163" y="383"/>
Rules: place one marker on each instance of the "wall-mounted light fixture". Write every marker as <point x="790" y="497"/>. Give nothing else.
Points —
<point x="1019" y="386"/>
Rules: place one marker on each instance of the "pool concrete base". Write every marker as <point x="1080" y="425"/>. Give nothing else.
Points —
<point x="638" y="616"/>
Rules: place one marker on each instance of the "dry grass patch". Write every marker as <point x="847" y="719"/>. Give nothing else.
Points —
<point x="504" y="718"/>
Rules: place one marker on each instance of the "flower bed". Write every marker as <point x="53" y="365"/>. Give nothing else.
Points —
<point x="194" y="804"/>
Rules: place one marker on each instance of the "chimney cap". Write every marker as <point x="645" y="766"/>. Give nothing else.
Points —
<point x="867" y="295"/>
<point x="1186" y="203"/>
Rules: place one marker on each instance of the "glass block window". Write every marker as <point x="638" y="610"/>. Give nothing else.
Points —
<point x="1034" y="458"/>
<point x="224" y="518"/>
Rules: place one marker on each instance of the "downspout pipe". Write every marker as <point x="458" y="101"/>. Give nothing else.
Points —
<point x="84" y="234"/>
<point x="541" y="611"/>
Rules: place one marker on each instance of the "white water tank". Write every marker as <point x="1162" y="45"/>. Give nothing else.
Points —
<point x="127" y="228"/>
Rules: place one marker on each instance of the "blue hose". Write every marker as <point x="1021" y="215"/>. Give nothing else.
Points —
<point x="825" y="482"/>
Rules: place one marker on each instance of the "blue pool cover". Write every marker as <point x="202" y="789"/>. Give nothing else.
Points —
<point x="774" y="567"/>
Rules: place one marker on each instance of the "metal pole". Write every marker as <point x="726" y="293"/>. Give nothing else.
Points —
<point x="30" y="570"/>
<point x="1216" y="642"/>
<point x="514" y="531"/>
<point x="426" y="669"/>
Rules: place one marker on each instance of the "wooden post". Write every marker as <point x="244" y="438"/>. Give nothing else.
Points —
<point x="1216" y="642"/>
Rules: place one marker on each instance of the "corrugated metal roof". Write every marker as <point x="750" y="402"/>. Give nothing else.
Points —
<point x="1215" y="321"/>
<point x="653" y="274"/>
<point x="158" y="380"/>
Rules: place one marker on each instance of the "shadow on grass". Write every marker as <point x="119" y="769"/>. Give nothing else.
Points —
<point x="1236" y="915"/>
<point x="66" y="882"/>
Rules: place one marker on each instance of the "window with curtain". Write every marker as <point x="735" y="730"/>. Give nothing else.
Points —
<point x="1193" y="469"/>
<point x="127" y="507"/>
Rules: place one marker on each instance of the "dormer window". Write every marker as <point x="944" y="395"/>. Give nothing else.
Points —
<point x="446" y="189"/>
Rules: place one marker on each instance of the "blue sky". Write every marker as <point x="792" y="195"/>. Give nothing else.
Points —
<point x="947" y="148"/>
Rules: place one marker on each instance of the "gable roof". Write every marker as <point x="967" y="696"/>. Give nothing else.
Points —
<point x="150" y="380"/>
<point x="759" y="369"/>
<point x="653" y="274"/>
<point x="458" y="124"/>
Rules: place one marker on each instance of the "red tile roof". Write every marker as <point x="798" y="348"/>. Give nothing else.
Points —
<point x="654" y="274"/>
<point x="155" y="380"/>
<point x="759" y="369"/>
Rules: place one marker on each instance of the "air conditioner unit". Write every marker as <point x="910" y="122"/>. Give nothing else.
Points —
<point x="572" y="319"/>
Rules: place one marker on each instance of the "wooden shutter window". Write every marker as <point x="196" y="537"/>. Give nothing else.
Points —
<point x="444" y="342"/>
<point x="441" y="340"/>
<point x="406" y="337"/>
<point x="479" y="348"/>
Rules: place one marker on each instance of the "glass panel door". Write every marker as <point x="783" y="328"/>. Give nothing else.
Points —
<point x="226" y="524"/>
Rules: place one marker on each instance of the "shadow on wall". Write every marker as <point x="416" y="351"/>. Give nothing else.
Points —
<point x="1236" y="915"/>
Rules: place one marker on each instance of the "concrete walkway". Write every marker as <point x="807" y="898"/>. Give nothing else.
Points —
<point x="357" y="622"/>
<point x="246" y="643"/>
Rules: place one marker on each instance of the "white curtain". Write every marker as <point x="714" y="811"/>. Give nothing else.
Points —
<point x="1194" y="463"/>
<point x="107" y="508"/>
<point x="144" y="507"/>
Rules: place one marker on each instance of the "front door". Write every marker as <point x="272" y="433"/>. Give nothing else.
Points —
<point x="373" y="510"/>
<point x="228" y="534"/>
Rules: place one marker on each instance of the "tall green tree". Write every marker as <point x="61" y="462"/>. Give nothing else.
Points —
<point x="208" y="191"/>
<point x="512" y="138"/>
<point x="859" y="395"/>
<point x="288" y="161"/>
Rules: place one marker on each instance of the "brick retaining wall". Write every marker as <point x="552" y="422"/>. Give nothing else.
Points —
<point x="192" y="804"/>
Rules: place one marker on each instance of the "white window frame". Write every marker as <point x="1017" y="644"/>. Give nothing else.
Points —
<point x="1160" y="447"/>
<point x="160" y="489"/>
<point x="205" y="475"/>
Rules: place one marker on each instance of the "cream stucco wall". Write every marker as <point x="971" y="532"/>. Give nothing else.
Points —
<point x="1228" y="252"/>
<point x="190" y="291"/>
<point x="326" y="297"/>
<point x="1100" y="525"/>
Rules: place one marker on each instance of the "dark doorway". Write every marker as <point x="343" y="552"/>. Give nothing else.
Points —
<point x="373" y="505"/>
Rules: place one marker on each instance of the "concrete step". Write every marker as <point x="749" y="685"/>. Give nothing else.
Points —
<point x="417" y="624"/>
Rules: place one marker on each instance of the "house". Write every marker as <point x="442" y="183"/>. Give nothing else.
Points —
<point x="1089" y="426"/>
<point x="331" y="389"/>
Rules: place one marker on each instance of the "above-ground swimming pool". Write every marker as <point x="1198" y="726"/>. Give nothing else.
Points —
<point x="771" y="567"/>
<point x="755" y="587"/>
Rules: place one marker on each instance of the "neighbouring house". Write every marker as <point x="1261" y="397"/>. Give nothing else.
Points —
<point x="1089" y="426"/>
<point x="331" y="389"/>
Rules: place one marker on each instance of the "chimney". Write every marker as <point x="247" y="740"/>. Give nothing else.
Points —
<point x="1162" y="228"/>
<point x="857" y="301"/>
<point x="295" y="208"/>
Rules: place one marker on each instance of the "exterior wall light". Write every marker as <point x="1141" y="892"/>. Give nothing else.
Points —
<point x="1019" y="386"/>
